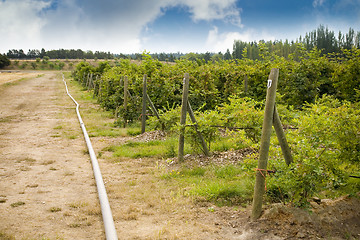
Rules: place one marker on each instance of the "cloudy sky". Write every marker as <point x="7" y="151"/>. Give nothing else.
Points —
<point x="132" y="26"/>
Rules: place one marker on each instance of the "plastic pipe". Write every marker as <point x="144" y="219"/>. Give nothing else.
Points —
<point x="108" y="220"/>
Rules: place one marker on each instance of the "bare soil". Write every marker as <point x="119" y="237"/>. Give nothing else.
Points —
<point x="47" y="189"/>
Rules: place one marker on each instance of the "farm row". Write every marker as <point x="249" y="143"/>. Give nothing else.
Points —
<point x="317" y="102"/>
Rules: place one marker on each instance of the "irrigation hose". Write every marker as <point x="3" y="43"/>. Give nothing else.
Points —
<point x="108" y="220"/>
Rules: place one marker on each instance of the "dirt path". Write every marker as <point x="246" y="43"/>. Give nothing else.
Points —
<point x="47" y="188"/>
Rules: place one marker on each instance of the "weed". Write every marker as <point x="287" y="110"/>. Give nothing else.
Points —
<point x="211" y="209"/>
<point x="47" y="162"/>
<point x="74" y="225"/>
<point x="78" y="204"/>
<point x="68" y="173"/>
<point x="17" y="204"/>
<point x="24" y="168"/>
<point x="2" y="199"/>
<point x="55" y="209"/>
<point x="155" y="148"/>
<point x="133" y="131"/>
<point x="222" y="185"/>
<point x="72" y="137"/>
<point x="27" y="160"/>
<point x="5" y="236"/>
<point x="228" y="171"/>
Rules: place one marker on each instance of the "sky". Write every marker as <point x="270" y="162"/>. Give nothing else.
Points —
<point x="155" y="26"/>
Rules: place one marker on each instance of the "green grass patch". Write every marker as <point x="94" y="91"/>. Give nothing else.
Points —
<point x="133" y="131"/>
<point x="156" y="148"/>
<point x="223" y="185"/>
<point x="141" y="149"/>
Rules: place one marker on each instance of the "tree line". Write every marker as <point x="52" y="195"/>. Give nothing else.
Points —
<point x="58" y="54"/>
<point x="322" y="38"/>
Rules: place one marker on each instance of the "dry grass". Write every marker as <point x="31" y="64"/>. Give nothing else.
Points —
<point x="55" y="209"/>
<point x="17" y="204"/>
<point x="48" y="162"/>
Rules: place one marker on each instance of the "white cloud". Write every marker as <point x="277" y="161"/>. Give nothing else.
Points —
<point x="220" y="42"/>
<point x="20" y="22"/>
<point x="107" y="25"/>
<point x="317" y="3"/>
<point x="214" y="10"/>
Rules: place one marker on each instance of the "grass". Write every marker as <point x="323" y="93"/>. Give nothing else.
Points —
<point x="27" y="160"/>
<point x="78" y="205"/>
<point x="156" y="148"/>
<point x="92" y="115"/>
<point x="17" y="204"/>
<point x="223" y="185"/>
<point x="6" y="119"/>
<point x="47" y="162"/>
<point x="55" y="209"/>
<point x="5" y="236"/>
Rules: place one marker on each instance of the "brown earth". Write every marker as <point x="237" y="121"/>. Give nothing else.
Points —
<point x="47" y="189"/>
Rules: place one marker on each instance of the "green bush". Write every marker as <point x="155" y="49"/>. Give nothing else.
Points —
<point x="326" y="150"/>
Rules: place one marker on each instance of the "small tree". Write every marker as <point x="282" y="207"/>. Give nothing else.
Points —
<point x="33" y="65"/>
<point x="46" y="59"/>
<point x="4" y="61"/>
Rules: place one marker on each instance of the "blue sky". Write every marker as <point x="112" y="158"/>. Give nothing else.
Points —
<point x="132" y="26"/>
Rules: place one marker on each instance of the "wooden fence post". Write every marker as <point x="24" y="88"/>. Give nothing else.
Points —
<point x="87" y="81"/>
<point x="151" y="104"/>
<point x="281" y="137"/>
<point x="90" y="81"/>
<point x="94" y="86"/>
<point x="183" y="116"/>
<point x="246" y="79"/>
<point x="126" y="82"/>
<point x="100" y="91"/>
<point x="143" y="112"/>
<point x="264" y="144"/>
<point x="192" y="117"/>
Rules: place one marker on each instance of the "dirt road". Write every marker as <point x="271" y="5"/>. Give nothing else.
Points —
<point x="47" y="188"/>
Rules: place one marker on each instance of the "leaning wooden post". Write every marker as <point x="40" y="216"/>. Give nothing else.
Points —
<point x="143" y="112"/>
<point x="87" y="81"/>
<point x="193" y="119"/>
<point x="126" y="83"/>
<point x="246" y="79"/>
<point x="90" y="81"/>
<point x="264" y="144"/>
<point x="94" y="86"/>
<point x="151" y="104"/>
<point x="281" y="138"/>
<point x="183" y="116"/>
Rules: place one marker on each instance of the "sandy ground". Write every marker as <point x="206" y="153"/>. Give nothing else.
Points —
<point x="11" y="76"/>
<point x="47" y="189"/>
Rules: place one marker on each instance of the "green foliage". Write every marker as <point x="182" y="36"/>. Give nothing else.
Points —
<point x="222" y="185"/>
<point x="326" y="149"/>
<point x="347" y="76"/>
<point x="317" y="97"/>
<point x="4" y="61"/>
<point x="169" y="118"/>
<point x="154" y="148"/>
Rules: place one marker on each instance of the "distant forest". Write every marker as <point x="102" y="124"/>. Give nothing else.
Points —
<point x="322" y="38"/>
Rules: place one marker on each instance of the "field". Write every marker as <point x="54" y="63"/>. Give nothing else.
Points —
<point x="48" y="191"/>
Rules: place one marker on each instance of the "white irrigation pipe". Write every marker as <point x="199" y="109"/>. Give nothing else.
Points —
<point x="110" y="231"/>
